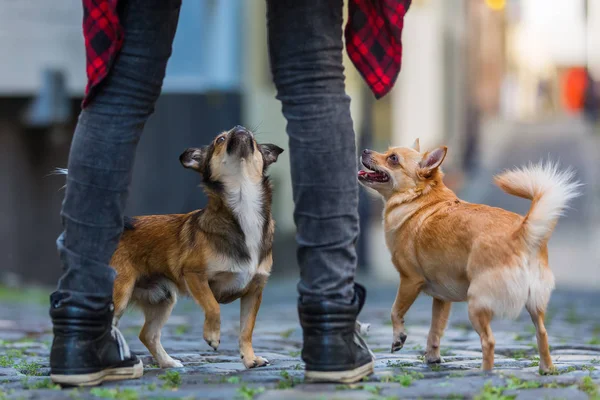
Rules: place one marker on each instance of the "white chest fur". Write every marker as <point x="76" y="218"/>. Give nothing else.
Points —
<point x="230" y="275"/>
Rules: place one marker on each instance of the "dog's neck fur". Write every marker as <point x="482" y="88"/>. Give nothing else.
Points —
<point x="249" y="205"/>
<point x="401" y="206"/>
<point x="245" y="201"/>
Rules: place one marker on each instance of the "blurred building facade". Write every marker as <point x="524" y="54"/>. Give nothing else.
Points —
<point x="466" y="63"/>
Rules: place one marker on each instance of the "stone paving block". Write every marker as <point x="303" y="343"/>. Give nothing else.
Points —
<point x="544" y="393"/>
<point x="220" y="375"/>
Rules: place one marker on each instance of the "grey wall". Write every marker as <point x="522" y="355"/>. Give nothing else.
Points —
<point x="30" y="199"/>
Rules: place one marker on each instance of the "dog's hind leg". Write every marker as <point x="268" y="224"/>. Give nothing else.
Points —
<point x="481" y="319"/>
<point x="537" y="316"/>
<point x="440" y="311"/>
<point x="155" y="317"/>
<point x="407" y="294"/>
<point x="123" y="289"/>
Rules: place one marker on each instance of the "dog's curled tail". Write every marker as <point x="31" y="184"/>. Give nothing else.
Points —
<point x="549" y="189"/>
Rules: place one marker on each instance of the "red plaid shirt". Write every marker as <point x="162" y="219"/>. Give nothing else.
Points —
<point x="373" y="41"/>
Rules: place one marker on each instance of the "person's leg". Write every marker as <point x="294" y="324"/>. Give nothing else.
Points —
<point x="305" y="47"/>
<point x="99" y="173"/>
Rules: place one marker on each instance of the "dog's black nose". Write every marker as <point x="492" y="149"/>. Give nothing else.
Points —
<point x="238" y="129"/>
<point x="185" y="155"/>
<point x="366" y="152"/>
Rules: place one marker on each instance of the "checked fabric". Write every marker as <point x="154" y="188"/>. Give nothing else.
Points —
<point x="373" y="41"/>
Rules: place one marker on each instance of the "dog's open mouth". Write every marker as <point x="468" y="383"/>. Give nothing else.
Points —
<point x="372" y="174"/>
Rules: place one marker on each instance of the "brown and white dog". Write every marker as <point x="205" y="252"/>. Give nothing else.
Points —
<point x="217" y="254"/>
<point x="452" y="250"/>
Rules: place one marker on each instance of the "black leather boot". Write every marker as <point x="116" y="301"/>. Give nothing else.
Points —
<point x="333" y="349"/>
<point x="87" y="349"/>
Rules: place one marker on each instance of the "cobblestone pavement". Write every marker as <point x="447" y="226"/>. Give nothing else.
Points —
<point x="573" y="326"/>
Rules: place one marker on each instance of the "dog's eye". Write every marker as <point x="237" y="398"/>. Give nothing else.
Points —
<point x="221" y="139"/>
<point x="393" y="159"/>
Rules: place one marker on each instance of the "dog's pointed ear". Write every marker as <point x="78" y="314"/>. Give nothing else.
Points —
<point x="432" y="160"/>
<point x="270" y="153"/>
<point x="416" y="145"/>
<point x="194" y="158"/>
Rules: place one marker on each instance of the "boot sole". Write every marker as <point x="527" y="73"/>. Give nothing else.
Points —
<point x="96" y="378"/>
<point x="350" y="376"/>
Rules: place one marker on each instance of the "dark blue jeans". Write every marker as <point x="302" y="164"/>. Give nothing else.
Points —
<point x="305" y="44"/>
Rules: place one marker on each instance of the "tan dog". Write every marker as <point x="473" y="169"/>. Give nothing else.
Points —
<point x="452" y="250"/>
<point x="217" y="254"/>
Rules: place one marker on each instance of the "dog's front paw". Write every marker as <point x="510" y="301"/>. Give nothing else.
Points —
<point x="171" y="363"/>
<point x="544" y="370"/>
<point x="212" y="333"/>
<point x="398" y="342"/>
<point x="433" y="358"/>
<point x="213" y="341"/>
<point x="254" y="362"/>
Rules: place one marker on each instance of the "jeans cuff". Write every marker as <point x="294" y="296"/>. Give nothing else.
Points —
<point x="84" y="275"/>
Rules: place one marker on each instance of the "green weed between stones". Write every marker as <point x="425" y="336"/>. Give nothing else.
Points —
<point x="6" y="361"/>
<point x="573" y="317"/>
<point x="405" y="379"/>
<point x="490" y="392"/>
<point x="116" y="393"/>
<point x="248" y="393"/>
<point x="287" y="382"/>
<point x="172" y="380"/>
<point x="588" y="386"/>
<point x="75" y="394"/>
<point x="520" y="338"/>
<point x="399" y="364"/>
<point x="535" y="362"/>
<point x="44" y="384"/>
<point x="518" y="354"/>
<point x="182" y="329"/>
<point x="516" y="383"/>
<point x="295" y="353"/>
<point x="463" y="326"/>
<point x="446" y="352"/>
<point x="234" y="380"/>
<point x="28" y="368"/>
<point x="286" y="334"/>
<point x="369" y="388"/>
<point x="24" y="295"/>
<point x="4" y="395"/>
<point x="595" y="340"/>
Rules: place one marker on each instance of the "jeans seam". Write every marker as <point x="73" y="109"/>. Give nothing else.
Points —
<point x="104" y="142"/>
<point x="88" y="224"/>
<point x="94" y="186"/>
